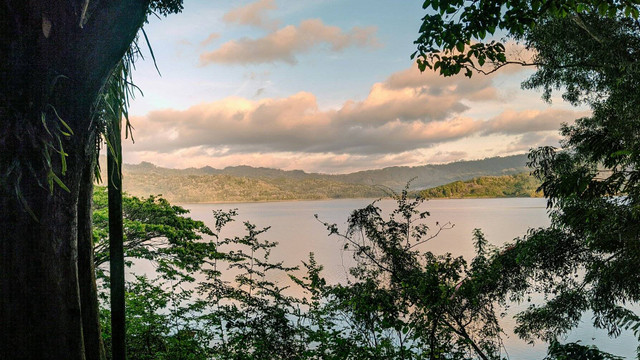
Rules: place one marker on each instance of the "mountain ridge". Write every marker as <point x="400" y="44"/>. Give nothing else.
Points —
<point x="246" y="183"/>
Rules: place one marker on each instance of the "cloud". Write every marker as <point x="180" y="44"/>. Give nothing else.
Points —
<point x="409" y="112"/>
<point x="322" y="163"/>
<point x="393" y="118"/>
<point x="253" y="14"/>
<point x="285" y="43"/>
<point x="519" y="122"/>
<point x="211" y="38"/>
<point x="528" y="141"/>
<point x="447" y="156"/>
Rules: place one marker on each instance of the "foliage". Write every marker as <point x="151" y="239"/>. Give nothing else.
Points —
<point x="166" y="7"/>
<point x="156" y="231"/>
<point x="520" y="185"/>
<point x="252" y="316"/>
<point x="163" y="322"/>
<point x="401" y="303"/>
<point x="586" y="259"/>
<point x="575" y="350"/>
<point x="405" y="303"/>
<point x="592" y="184"/>
<point x="457" y="35"/>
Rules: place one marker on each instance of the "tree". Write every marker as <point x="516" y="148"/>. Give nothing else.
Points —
<point x="408" y="303"/>
<point x="587" y="258"/>
<point x="402" y="302"/>
<point x="161" y="318"/>
<point x="247" y="317"/>
<point x="452" y="37"/>
<point x="155" y="231"/>
<point x="55" y="59"/>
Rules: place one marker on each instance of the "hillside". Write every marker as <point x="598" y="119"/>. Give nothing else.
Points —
<point x="427" y="176"/>
<point x="245" y="183"/>
<point x="227" y="188"/>
<point x="519" y="185"/>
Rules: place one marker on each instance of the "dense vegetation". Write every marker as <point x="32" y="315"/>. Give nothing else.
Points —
<point x="215" y="298"/>
<point x="404" y="302"/>
<point x="585" y="262"/>
<point x="217" y="188"/>
<point x="209" y="297"/>
<point x="519" y="185"/>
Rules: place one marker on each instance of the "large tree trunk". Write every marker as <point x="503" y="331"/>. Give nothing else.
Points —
<point x="94" y="348"/>
<point x="54" y="59"/>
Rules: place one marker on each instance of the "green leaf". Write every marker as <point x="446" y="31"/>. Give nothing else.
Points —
<point x="60" y="119"/>
<point x="51" y="178"/>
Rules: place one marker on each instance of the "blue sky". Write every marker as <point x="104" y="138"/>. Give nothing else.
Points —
<point x="323" y="86"/>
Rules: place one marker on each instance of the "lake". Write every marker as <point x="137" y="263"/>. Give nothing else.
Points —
<point x="294" y="226"/>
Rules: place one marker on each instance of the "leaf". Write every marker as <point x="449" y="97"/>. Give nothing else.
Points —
<point x="60" y="119"/>
<point x="153" y="57"/>
<point x="52" y="177"/>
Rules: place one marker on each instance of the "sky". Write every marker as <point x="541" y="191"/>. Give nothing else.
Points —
<point x="322" y="86"/>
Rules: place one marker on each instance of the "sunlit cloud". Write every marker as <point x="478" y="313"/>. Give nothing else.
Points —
<point x="527" y="141"/>
<point x="211" y="38"/>
<point x="520" y="122"/>
<point x="408" y="118"/>
<point x="253" y="14"/>
<point x="284" y="44"/>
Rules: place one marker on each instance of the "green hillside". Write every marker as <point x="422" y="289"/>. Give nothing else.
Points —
<point x="395" y="177"/>
<point x="227" y="188"/>
<point x="519" y="185"/>
<point x="430" y="175"/>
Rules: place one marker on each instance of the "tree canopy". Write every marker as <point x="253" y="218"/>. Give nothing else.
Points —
<point x="588" y="50"/>
<point x="459" y="35"/>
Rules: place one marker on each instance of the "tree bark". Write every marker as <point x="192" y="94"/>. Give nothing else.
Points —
<point x="54" y="62"/>
<point x="116" y="247"/>
<point x="94" y="347"/>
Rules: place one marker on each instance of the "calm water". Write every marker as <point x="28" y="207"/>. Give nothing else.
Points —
<point x="293" y="225"/>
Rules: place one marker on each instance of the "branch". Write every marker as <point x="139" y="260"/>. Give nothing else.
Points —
<point x="446" y="226"/>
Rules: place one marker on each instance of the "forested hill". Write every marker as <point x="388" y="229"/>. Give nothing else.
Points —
<point x="519" y="185"/>
<point x="245" y="183"/>
<point x="427" y="176"/>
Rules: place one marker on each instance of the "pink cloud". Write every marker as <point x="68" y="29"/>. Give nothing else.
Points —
<point x="520" y="122"/>
<point x="253" y="14"/>
<point x="211" y="38"/>
<point x="409" y="112"/>
<point x="285" y="43"/>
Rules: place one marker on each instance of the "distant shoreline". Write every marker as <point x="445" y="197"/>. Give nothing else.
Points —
<point x="359" y="198"/>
